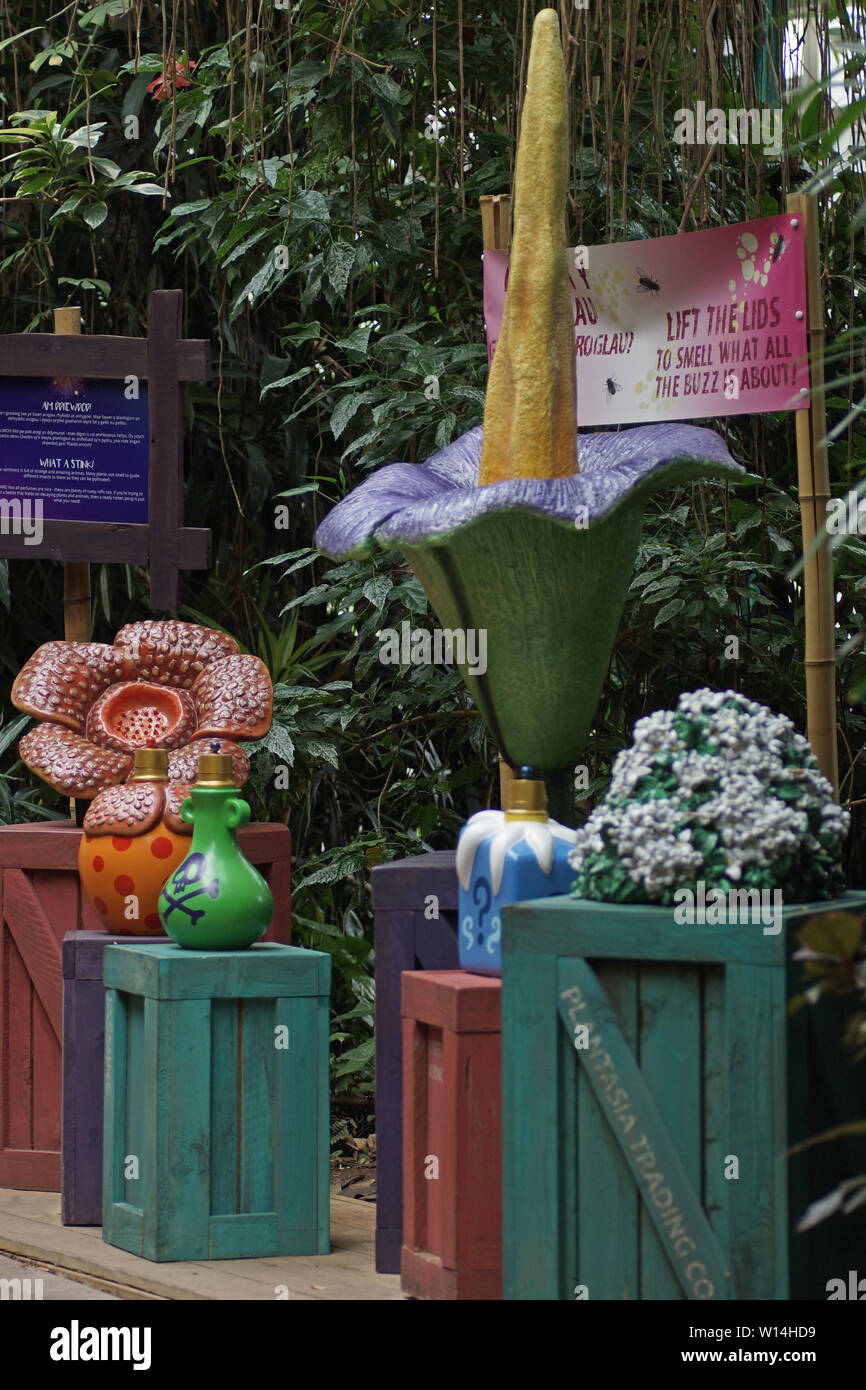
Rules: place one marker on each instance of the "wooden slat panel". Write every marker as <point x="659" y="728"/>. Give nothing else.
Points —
<point x="656" y="1167"/>
<point x="568" y="1103"/>
<point x="670" y="1060"/>
<point x="113" y="1137"/>
<point x="183" y="1041"/>
<point x="38" y="946"/>
<point x="230" y="1237"/>
<point x="405" y="883"/>
<point x="99" y="356"/>
<point x="530" y="1177"/>
<point x="135" y="1125"/>
<point x="58" y="894"/>
<point x="17" y="1058"/>
<point x="440" y="1139"/>
<point x="608" y="1212"/>
<point x="161" y="971"/>
<point x="757" y="1106"/>
<point x="714" y="1126"/>
<point x="416" y="1126"/>
<point x="225" y="1109"/>
<point x="106" y="542"/>
<point x="258" y="1074"/>
<point x="301" y="1127"/>
<point x="395" y="952"/>
<point x="477" y="1215"/>
<point x="46" y="1078"/>
<point x="55" y="845"/>
<point x="30" y="1170"/>
<point x="554" y="926"/>
<point x="452" y="999"/>
<point x="321" y="1101"/>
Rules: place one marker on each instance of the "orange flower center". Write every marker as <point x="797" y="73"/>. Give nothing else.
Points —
<point x="139" y="714"/>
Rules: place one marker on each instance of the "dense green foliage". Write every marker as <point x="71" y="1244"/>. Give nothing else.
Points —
<point x="309" y="177"/>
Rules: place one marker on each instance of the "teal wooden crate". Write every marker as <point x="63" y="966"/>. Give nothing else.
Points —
<point x="216" y="1082"/>
<point x="617" y="1140"/>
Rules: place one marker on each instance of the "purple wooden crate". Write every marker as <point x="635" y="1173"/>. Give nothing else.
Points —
<point x="406" y="939"/>
<point x="83" y="1077"/>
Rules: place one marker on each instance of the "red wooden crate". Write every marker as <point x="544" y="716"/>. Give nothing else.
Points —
<point x="40" y="901"/>
<point x="452" y="1224"/>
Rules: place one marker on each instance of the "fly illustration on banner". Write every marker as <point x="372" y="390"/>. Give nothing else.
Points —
<point x="611" y="388"/>
<point x="646" y="284"/>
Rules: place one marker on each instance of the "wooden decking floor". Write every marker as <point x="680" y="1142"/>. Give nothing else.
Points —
<point x="30" y="1228"/>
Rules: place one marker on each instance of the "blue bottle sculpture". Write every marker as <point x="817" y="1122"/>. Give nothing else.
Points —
<point x="507" y="857"/>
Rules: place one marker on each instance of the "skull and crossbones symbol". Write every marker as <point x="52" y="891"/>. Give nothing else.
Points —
<point x="182" y="881"/>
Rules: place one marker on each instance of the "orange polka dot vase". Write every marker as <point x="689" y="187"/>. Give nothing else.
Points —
<point x="133" y="840"/>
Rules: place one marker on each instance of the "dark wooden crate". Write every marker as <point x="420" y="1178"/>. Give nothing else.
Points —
<point x="452" y="1136"/>
<point x="40" y="902"/>
<point x="614" y="1153"/>
<point x="405" y="940"/>
<point x="83" y="1064"/>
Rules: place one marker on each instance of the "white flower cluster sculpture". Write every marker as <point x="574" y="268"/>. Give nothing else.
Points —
<point x="720" y="789"/>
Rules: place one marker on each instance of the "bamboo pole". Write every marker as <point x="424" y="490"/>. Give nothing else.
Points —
<point x="495" y="221"/>
<point x="496" y="236"/>
<point x="813" y="476"/>
<point x="76" y="577"/>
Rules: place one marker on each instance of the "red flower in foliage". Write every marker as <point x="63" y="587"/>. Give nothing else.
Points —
<point x="163" y="85"/>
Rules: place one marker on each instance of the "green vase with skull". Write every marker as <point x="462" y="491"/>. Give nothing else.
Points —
<point x="215" y="900"/>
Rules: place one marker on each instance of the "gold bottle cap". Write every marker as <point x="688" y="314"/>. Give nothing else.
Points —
<point x="150" y="765"/>
<point x="215" y="770"/>
<point x="526" y="798"/>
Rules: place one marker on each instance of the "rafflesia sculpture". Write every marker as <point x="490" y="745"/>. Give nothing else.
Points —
<point x="168" y="685"/>
<point x="162" y="694"/>
<point x="503" y="531"/>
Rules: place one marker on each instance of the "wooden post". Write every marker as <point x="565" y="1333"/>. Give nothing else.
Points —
<point x="76" y="577"/>
<point x="496" y="236"/>
<point x="814" y="488"/>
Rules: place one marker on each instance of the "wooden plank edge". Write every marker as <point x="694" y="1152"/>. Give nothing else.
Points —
<point x="99" y="356"/>
<point x="102" y="542"/>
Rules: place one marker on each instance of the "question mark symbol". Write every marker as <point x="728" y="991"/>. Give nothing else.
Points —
<point x="495" y="935"/>
<point x="482" y="886"/>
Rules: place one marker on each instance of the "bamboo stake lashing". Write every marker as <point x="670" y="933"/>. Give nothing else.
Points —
<point x="813" y="478"/>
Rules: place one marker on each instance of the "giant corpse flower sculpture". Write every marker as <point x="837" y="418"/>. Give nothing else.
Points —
<point x="168" y="685"/>
<point x="503" y="531"/>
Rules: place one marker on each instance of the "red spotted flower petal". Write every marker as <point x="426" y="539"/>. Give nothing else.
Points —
<point x="234" y="698"/>
<point x="133" y="808"/>
<point x="62" y="679"/>
<point x="172" y="653"/>
<point x="70" y="763"/>
<point x="183" y="763"/>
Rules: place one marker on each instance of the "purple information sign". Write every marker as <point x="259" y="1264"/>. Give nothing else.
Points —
<point x="79" y="446"/>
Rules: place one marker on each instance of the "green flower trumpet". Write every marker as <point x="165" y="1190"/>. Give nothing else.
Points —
<point x="503" y="531"/>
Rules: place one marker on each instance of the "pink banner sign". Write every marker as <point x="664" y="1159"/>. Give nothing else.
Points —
<point x="701" y="325"/>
